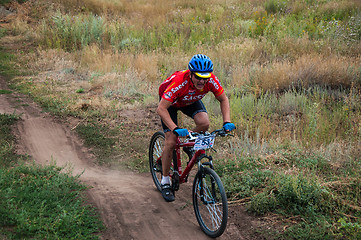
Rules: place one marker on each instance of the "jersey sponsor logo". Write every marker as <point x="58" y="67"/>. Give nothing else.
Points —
<point x="191" y="92"/>
<point x="174" y="90"/>
<point x="216" y="86"/>
<point x="168" y="95"/>
<point x="192" y="98"/>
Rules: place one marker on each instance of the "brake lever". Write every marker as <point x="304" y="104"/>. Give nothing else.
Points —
<point x="191" y="137"/>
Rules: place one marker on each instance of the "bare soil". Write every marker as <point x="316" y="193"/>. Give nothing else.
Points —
<point x="128" y="202"/>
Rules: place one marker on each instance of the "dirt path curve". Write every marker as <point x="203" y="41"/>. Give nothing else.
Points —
<point x="128" y="202"/>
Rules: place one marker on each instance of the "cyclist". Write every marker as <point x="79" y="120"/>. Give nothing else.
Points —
<point x="183" y="91"/>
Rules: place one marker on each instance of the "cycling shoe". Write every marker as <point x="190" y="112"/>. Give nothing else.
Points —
<point x="167" y="192"/>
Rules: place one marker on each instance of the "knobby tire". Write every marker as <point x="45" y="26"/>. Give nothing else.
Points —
<point x="212" y="211"/>
<point x="155" y="150"/>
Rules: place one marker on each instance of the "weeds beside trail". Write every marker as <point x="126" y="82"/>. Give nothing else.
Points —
<point x="291" y="70"/>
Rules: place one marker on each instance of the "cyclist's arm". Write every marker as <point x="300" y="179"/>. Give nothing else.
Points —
<point x="225" y="108"/>
<point x="162" y="110"/>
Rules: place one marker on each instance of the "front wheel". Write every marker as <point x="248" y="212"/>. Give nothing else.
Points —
<point x="210" y="202"/>
<point x="155" y="151"/>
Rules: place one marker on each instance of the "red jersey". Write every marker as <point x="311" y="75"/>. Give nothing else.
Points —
<point x="179" y="89"/>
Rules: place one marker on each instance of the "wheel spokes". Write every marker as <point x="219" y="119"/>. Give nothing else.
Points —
<point x="212" y="205"/>
<point x="158" y="147"/>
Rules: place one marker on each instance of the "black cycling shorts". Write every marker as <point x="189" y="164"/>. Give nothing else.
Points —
<point x="190" y="111"/>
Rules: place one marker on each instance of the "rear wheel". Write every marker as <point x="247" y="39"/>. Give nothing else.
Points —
<point x="155" y="152"/>
<point x="210" y="202"/>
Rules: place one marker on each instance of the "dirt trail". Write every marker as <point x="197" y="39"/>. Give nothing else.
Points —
<point x="128" y="202"/>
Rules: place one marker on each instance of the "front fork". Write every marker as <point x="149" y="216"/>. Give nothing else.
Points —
<point x="201" y="167"/>
<point x="209" y="163"/>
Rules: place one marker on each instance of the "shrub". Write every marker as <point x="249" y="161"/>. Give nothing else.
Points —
<point x="296" y="194"/>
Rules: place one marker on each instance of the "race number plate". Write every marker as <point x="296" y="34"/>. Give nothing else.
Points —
<point x="204" y="142"/>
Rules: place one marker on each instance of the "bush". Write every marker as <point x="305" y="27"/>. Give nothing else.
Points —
<point x="296" y="194"/>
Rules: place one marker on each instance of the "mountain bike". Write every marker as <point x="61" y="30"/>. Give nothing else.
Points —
<point x="208" y="194"/>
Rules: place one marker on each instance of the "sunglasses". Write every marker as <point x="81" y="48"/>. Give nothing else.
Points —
<point x="200" y="79"/>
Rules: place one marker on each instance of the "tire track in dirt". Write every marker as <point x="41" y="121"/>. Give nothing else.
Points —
<point x="128" y="202"/>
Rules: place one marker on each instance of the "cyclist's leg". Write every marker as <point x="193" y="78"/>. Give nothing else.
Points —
<point x="169" y="143"/>
<point x="198" y="112"/>
<point x="202" y="122"/>
<point x="167" y="155"/>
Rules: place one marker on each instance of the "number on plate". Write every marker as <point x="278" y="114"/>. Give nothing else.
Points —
<point x="204" y="142"/>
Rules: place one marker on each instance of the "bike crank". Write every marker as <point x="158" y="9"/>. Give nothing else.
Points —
<point x="175" y="181"/>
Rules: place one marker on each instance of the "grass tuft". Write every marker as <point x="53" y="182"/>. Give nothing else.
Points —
<point x="7" y="141"/>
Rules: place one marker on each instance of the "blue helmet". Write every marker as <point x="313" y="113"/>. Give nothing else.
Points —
<point x="201" y="65"/>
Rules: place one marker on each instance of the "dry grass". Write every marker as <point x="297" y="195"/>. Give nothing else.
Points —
<point x="92" y="57"/>
<point x="238" y="51"/>
<point x="309" y="70"/>
<point x="141" y="13"/>
<point x="343" y="5"/>
<point x="146" y="67"/>
<point x="115" y="81"/>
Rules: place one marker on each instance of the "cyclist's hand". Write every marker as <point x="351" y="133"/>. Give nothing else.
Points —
<point x="181" y="132"/>
<point x="228" y="126"/>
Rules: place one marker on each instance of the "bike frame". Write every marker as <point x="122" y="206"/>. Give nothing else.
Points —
<point x="208" y="194"/>
<point x="183" y="174"/>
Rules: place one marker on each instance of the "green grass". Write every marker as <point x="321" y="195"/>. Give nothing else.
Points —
<point x="6" y="68"/>
<point x="5" y="91"/>
<point x="101" y="139"/>
<point x="114" y="146"/>
<point x="44" y="203"/>
<point x="9" y="64"/>
<point x="7" y="145"/>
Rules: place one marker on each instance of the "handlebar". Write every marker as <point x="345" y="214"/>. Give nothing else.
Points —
<point x="219" y="132"/>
